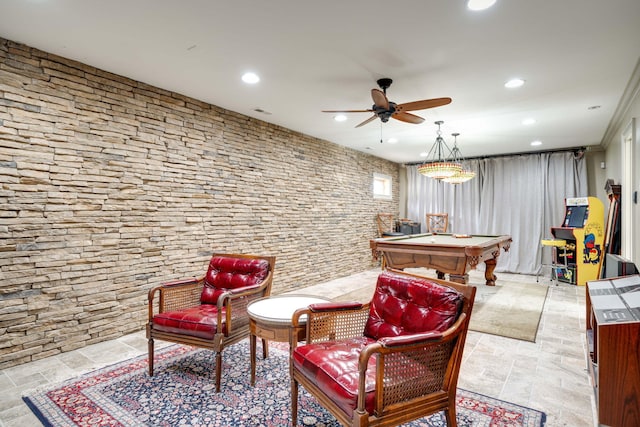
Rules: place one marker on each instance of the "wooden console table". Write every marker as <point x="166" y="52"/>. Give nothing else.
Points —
<point x="613" y="335"/>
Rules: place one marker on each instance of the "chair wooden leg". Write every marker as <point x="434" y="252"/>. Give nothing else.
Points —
<point x="218" y="370"/>
<point x="252" y="358"/>
<point x="360" y="418"/>
<point x="294" y="402"/>
<point x="265" y="348"/>
<point x="150" y="345"/>
<point x="450" y="415"/>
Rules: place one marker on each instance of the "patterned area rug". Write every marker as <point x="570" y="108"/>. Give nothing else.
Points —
<point x="181" y="393"/>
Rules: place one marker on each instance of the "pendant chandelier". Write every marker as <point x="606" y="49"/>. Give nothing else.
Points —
<point x="465" y="174"/>
<point x="437" y="164"/>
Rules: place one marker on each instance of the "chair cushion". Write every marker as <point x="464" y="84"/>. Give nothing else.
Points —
<point x="227" y="273"/>
<point x="333" y="366"/>
<point x="404" y="305"/>
<point x="200" y="321"/>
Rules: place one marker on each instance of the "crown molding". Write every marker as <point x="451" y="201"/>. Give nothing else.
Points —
<point x="630" y="94"/>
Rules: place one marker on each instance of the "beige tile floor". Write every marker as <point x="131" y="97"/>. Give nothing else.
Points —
<point x="550" y="375"/>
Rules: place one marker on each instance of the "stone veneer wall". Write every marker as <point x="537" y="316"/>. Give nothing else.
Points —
<point x="109" y="186"/>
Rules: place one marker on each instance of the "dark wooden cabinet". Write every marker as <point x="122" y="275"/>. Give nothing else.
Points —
<point x="613" y="335"/>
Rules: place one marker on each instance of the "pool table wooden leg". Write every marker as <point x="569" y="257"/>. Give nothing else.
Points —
<point x="488" y="272"/>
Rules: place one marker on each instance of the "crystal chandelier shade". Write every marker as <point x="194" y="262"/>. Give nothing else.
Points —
<point x="445" y="164"/>
<point x="463" y="175"/>
<point x="437" y="165"/>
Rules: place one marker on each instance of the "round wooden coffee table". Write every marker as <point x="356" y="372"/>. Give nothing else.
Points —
<point x="270" y="319"/>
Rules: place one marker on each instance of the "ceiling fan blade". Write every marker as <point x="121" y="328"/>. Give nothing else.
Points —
<point x="370" y="119"/>
<point x="348" y="111"/>
<point x="407" y="117"/>
<point x="423" y="105"/>
<point x="379" y="99"/>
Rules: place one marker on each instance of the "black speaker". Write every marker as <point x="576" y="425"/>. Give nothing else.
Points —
<point x="409" y="227"/>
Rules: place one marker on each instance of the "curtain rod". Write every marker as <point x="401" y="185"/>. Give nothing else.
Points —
<point x="575" y="150"/>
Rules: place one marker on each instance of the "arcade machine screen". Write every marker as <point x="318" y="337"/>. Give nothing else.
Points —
<point x="576" y="216"/>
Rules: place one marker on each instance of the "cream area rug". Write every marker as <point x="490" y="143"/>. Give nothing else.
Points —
<point x="511" y="309"/>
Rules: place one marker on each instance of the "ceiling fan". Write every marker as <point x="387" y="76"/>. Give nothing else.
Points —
<point x="384" y="109"/>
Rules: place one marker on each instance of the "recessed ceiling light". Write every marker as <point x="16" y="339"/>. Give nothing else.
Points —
<point x="513" y="83"/>
<point x="528" y="121"/>
<point x="536" y="143"/>
<point x="251" y="78"/>
<point x="480" y="4"/>
<point x="392" y="140"/>
<point x="340" y="118"/>
<point x="424" y="154"/>
<point x="260" y="110"/>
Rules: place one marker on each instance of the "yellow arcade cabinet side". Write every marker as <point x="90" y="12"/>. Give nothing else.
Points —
<point x="583" y="229"/>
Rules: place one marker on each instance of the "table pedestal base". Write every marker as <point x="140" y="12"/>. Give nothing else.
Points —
<point x="270" y="320"/>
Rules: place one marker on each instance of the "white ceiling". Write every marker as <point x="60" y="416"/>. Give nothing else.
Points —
<point x="328" y="54"/>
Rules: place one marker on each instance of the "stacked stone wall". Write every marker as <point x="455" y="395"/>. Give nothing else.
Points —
<point x="109" y="186"/>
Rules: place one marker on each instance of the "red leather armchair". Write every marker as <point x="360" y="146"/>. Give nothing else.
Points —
<point x="387" y="362"/>
<point x="210" y="311"/>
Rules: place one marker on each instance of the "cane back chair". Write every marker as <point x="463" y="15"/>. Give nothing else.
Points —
<point x="389" y="361"/>
<point x="210" y="311"/>
<point x="386" y="225"/>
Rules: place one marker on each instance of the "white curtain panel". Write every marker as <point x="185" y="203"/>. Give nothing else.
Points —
<point x="521" y="195"/>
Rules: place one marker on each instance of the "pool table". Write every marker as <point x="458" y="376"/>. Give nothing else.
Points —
<point x="451" y="254"/>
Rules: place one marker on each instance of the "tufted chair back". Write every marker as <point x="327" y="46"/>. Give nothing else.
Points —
<point x="403" y="305"/>
<point x="226" y="273"/>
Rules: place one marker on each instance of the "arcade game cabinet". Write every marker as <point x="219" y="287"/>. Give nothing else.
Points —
<point x="583" y="229"/>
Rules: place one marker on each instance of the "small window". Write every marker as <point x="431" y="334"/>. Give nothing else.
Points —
<point x="381" y="186"/>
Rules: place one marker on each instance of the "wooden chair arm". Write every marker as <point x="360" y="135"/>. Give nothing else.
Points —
<point x="262" y="289"/>
<point x="335" y="306"/>
<point x="345" y="320"/>
<point x="154" y="290"/>
<point x="233" y="303"/>
<point x="424" y="337"/>
<point x="430" y="355"/>
<point x="175" y="295"/>
<point x="234" y="294"/>
<point x="404" y="340"/>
